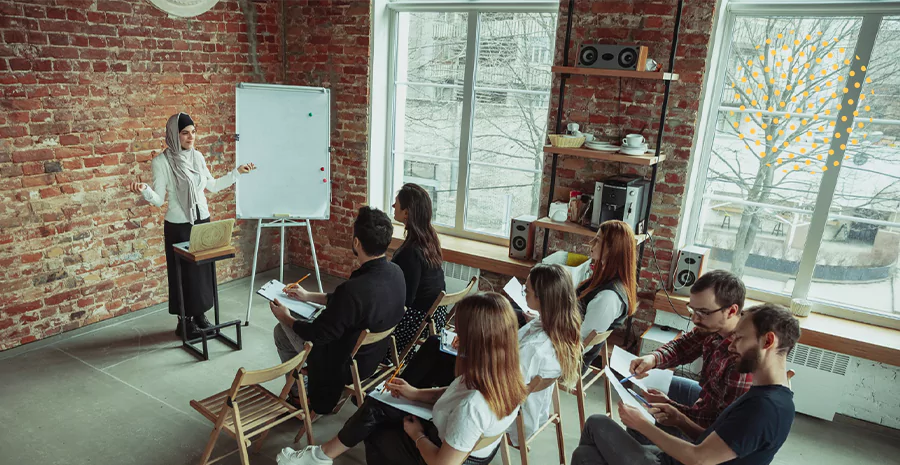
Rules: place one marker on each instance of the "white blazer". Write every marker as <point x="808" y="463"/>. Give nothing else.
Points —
<point x="164" y="183"/>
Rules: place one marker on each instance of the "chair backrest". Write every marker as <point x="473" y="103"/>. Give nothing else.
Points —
<point x="367" y="337"/>
<point x="486" y="441"/>
<point x="538" y="384"/>
<point x="451" y="299"/>
<point x="595" y="338"/>
<point x="246" y="378"/>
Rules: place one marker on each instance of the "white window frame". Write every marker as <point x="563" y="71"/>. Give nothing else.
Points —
<point x="871" y="13"/>
<point x="393" y="170"/>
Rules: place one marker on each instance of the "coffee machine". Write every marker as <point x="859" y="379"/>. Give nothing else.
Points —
<point x="622" y="197"/>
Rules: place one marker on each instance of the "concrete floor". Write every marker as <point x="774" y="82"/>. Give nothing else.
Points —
<point x="117" y="393"/>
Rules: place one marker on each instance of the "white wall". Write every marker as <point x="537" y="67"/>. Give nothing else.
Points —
<point x="872" y="393"/>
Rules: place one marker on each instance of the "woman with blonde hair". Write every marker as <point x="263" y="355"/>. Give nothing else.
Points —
<point x="549" y="344"/>
<point x="609" y="296"/>
<point x="481" y="402"/>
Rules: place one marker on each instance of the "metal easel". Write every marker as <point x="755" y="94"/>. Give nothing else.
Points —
<point x="279" y="223"/>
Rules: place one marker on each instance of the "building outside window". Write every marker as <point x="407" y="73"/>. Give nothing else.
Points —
<point x="798" y="178"/>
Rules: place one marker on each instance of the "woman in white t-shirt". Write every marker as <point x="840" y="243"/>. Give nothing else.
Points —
<point x="550" y="344"/>
<point x="481" y="402"/>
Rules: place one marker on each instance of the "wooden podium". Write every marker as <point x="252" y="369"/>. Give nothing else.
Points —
<point x="214" y="332"/>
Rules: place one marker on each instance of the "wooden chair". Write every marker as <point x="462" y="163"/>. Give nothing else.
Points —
<point x="486" y="441"/>
<point x="451" y="299"/>
<point x="538" y="384"/>
<point x="790" y="374"/>
<point x="592" y="374"/>
<point x="247" y="409"/>
<point x="359" y="386"/>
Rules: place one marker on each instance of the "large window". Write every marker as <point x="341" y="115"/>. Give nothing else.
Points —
<point x="470" y="95"/>
<point x="799" y="173"/>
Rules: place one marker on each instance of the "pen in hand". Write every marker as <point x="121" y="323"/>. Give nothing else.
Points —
<point x="296" y="284"/>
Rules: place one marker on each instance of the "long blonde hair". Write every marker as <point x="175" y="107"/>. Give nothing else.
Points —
<point x="488" y="358"/>
<point x="560" y="317"/>
<point x="617" y="241"/>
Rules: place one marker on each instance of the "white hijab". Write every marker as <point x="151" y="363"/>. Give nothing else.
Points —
<point x="187" y="174"/>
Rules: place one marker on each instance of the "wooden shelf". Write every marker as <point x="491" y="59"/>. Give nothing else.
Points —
<point x="823" y="331"/>
<point x="574" y="228"/>
<point x="659" y="76"/>
<point x="481" y="255"/>
<point x="644" y="160"/>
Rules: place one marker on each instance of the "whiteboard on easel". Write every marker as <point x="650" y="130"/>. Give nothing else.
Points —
<point x="285" y="131"/>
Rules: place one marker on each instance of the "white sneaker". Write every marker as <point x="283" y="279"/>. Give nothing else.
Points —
<point x="307" y="456"/>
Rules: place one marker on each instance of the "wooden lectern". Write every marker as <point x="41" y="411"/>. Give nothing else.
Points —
<point x="214" y="332"/>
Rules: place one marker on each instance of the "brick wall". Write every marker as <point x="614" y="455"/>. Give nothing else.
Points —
<point x="611" y="108"/>
<point x="328" y="46"/>
<point x="86" y="89"/>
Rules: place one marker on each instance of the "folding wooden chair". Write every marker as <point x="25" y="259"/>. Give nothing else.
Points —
<point x="247" y="409"/>
<point x="592" y="374"/>
<point x="486" y="441"/>
<point x="451" y="299"/>
<point x="538" y="384"/>
<point x="359" y="387"/>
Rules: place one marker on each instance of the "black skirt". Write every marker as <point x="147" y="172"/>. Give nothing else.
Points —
<point x="196" y="281"/>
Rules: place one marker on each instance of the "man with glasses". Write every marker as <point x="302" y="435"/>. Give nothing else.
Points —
<point x="715" y="306"/>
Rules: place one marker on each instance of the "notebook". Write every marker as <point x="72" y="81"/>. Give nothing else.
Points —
<point x="418" y="409"/>
<point x="447" y="337"/>
<point x="208" y="236"/>
<point x="274" y="290"/>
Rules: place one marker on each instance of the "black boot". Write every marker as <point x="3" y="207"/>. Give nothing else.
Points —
<point x="202" y="322"/>
<point x="187" y="323"/>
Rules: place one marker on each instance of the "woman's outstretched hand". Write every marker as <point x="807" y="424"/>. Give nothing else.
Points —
<point x="246" y="168"/>
<point x="137" y="187"/>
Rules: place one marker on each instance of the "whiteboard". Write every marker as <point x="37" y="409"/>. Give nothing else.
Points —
<point x="285" y="131"/>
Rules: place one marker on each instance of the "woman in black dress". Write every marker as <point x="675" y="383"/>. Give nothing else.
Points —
<point x="180" y="172"/>
<point x="420" y="259"/>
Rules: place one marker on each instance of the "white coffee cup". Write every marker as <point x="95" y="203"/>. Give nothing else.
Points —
<point x="588" y="137"/>
<point x="633" y="140"/>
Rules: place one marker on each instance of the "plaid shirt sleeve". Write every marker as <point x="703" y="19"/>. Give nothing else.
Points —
<point x="680" y="351"/>
<point x="714" y="399"/>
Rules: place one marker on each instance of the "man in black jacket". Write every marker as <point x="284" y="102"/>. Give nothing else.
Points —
<point x="373" y="298"/>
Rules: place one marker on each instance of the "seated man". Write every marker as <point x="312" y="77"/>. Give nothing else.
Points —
<point x="716" y="302"/>
<point x="749" y="432"/>
<point x="372" y="299"/>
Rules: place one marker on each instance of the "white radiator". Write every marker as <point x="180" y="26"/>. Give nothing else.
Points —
<point x="820" y="380"/>
<point x="456" y="276"/>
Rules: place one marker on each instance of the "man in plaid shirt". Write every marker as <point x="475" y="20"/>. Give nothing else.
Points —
<point x="715" y="306"/>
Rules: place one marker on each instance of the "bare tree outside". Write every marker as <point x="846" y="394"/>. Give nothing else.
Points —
<point x="509" y="117"/>
<point x="785" y="82"/>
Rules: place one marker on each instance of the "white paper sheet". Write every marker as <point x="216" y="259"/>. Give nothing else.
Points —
<point x="627" y="397"/>
<point x="418" y="409"/>
<point x="274" y="290"/>
<point x="447" y="337"/>
<point x="514" y="289"/>
<point x="620" y="361"/>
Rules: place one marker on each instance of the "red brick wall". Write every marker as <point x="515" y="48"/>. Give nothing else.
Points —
<point x="86" y="88"/>
<point x="328" y="46"/>
<point x="611" y="108"/>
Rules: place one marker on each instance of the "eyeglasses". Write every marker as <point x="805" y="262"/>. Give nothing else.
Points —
<point x="706" y="313"/>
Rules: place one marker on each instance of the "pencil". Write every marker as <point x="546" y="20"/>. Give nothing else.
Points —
<point x="298" y="282"/>
<point x="392" y="377"/>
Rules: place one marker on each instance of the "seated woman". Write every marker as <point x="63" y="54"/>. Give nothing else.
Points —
<point x="481" y="402"/>
<point x="549" y="344"/>
<point x="420" y="259"/>
<point x="609" y="296"/>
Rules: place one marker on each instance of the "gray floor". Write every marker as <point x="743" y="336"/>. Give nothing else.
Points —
<point x="117" y="393"/>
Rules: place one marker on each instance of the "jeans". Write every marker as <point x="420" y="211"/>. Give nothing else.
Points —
<point x="683" y="391"/>
<point x="289" y="344"/>
<point x="604" y="442"/>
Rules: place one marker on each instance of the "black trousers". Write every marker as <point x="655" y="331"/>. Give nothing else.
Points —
<point x="380" y="426"/>
<point x="196" y="281"/>
<point x="430" y="367"/>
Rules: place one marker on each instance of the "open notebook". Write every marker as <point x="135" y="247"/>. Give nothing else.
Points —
<point x="274" y="290"/>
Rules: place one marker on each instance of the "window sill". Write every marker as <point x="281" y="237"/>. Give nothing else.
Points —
<point x="477" y="254"/>
<point x="849" y="337"/>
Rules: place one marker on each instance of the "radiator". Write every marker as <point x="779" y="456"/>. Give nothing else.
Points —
<point x="820" y="380"/>
<point x="456" y="276"/>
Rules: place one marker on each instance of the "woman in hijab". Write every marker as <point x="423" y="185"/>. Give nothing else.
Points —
<point x="181" y="172"/>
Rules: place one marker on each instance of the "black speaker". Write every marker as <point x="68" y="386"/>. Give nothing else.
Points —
<point x="627" y="57"/>
<point x="521" y="237"/>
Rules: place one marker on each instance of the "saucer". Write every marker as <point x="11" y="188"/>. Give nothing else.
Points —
<point x="601" y="146"/>
<point x="633" y="151"/>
